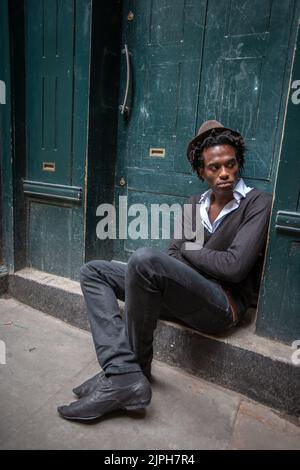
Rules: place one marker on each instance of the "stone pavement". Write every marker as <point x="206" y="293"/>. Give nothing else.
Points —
<point x="46" y="358"/>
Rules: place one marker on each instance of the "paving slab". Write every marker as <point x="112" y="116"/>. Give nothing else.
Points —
<point x="260" y="428"/>
<point x="36" y="348"/>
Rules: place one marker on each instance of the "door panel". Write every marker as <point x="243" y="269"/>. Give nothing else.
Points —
<point x="193" y="61"/>
<point x="50" y="47"/>
<point x="243" y="71"/>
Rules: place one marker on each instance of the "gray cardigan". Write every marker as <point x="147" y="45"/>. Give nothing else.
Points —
<point x="233" y="255"/>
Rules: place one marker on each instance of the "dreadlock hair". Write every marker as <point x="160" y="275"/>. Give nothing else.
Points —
<point x="217" y="138"/>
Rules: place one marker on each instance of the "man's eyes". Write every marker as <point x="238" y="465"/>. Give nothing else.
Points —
<point x="215" y="167"/>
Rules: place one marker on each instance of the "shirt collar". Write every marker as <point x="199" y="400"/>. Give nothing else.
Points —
<point x="241" y="188"/>
<point x="240" y="191"/>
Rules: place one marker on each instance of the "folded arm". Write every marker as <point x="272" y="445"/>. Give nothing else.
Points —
<point x="234" y="264"/>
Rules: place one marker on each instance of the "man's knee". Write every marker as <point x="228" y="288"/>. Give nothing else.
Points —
<point x="88" y="269"/>
<point x="144" y="257"/>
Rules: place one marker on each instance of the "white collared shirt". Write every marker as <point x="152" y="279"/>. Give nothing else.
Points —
<point x="240" y="190"/>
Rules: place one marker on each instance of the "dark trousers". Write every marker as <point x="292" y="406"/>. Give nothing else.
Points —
<point x="153" y="285"/>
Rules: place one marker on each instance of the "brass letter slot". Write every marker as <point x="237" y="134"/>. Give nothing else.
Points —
<point x="48" y="166"/>
<point x="157" y="152"/>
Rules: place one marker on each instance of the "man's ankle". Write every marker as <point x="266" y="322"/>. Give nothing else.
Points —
<point x="126" y="379"/>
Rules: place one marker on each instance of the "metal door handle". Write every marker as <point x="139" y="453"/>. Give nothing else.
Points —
<point x="123" y="107"/>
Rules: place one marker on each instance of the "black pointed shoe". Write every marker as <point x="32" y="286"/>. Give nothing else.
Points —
<point x="108" y="398"/>
<point x="90" y="385"/>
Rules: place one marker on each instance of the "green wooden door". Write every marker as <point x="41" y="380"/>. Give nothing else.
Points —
<point x="192" y="61"/>
<point x="57" y="47"/>
<point x="278" y="309"/>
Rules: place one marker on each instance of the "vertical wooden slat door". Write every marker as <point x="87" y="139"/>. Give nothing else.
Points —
<point x="50" y="66"/>
<point x="57" y="50"/>
<point x="192" y="61"/>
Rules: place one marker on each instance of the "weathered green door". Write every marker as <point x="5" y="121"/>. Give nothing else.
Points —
<point x="57" y="46"/>
<point x="192" y="61"/>
<point x="278" y="310"/>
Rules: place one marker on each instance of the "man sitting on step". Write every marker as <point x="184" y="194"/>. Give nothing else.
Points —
<point x="208" y="289"/>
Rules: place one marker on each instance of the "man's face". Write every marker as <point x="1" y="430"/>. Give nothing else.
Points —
<point x="220" y="168"/>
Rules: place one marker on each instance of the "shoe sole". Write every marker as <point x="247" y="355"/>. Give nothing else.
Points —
<point x="137" y="406"/>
